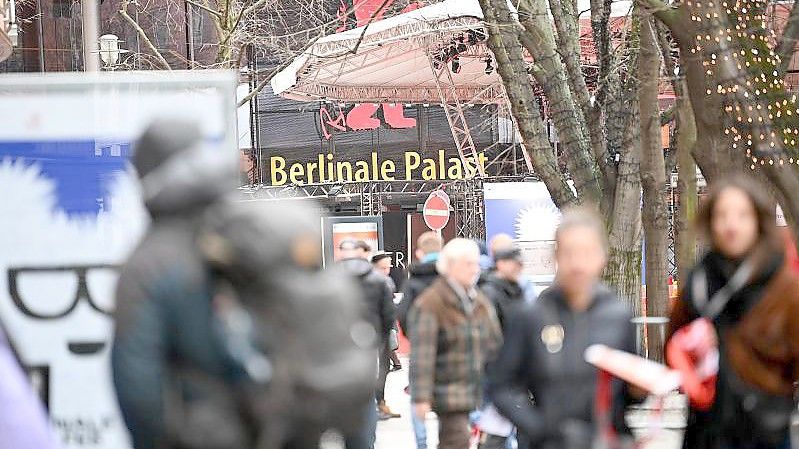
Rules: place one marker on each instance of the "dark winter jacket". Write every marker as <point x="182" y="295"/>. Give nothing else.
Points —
<point x="163" y="306"/>
<point x="452" y="339"/>
<point x="421" y="277"/>
<point x="543" y="356"/>
<point x="759" y="347"/>
<point x="377" y="292"/>
<point x="506" y="296"/>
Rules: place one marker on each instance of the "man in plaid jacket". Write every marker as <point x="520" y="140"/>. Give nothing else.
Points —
<point x="454" y="332"/>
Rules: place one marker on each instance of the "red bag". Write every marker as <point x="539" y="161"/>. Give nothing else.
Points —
<point x="693" y="351"/>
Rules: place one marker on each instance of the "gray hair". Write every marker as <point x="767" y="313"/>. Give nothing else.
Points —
<point x="457" y="248"/>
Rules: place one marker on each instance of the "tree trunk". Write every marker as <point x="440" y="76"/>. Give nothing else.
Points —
<point x="568" y="34"/>
<point x="563" y="109"/>
<point x="504" y="43"/>
<point x="747" y="58"/>
<point x="623" y="271"/>
<point x="653" y="180"/>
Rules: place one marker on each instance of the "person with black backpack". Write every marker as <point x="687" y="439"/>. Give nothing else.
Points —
<point x="229" y="335"/>
<point x="163" y="314"/>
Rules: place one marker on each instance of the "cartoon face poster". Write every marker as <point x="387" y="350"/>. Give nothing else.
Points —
<point x="71" y="213"/>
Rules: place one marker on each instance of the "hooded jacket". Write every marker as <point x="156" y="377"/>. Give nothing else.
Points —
<point x="163" y="316"/>
<point x="421" y="277"/>
<point x="378" y="295"/>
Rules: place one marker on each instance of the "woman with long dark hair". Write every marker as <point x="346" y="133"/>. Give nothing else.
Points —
<point x="744" y="287"/>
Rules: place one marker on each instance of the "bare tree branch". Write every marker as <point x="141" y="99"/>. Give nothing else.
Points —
<point x="123" y="11"/>
<point x="205" y="8"/>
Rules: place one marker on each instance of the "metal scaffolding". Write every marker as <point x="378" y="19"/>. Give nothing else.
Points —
<point x="451" y="103"/>
<point x="370" y="198"/>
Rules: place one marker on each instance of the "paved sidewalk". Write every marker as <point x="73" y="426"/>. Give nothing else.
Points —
<point x="397" y="433"/>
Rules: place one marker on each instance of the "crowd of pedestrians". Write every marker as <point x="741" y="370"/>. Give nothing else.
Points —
<point x="194" y="369"/>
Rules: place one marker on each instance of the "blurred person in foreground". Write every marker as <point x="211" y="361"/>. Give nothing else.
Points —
<point x="164" y="318"/>
<point x="379" y="302"/>
<point x="544" y="346"/>
<point x="382" y="264"/>
<point x="23" y="419"/>
<point x="421" y="275"/>
<point x="454" y="332"/>
<point x="750" y="294"/>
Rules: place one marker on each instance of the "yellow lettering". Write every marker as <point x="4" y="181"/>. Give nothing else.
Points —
<point x="339" y="171"/>
<point x="322" y="168"/>
<point x="278" y="165"/>
<point x="375" y="167"/>
<point x="387" y="170"/>
<point x="441" y="166"/>
<point x="455" y="169"/>
<point x="361" y="171"/>
<point x="411" y="166"/>
<point x="330" y="172"/>
<point x="470" y="168"/>
<point x="484" y="159"/>
<point x="429" y="170"/>
<point x="312" y="168"/>
<point x="295" y="174"/>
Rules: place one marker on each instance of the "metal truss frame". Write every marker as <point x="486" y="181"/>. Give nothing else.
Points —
<point x="420" y="32"/>
<point x="450" y="101"/>
<point x="504" y="109"/>
<point x="466" y="196"/>
<point x="380" y="94"/>
<point x="671" y="238"/>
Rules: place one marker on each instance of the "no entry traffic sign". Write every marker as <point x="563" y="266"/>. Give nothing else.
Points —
<point x="436" y="211"/>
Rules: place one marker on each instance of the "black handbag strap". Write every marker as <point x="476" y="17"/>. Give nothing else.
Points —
<point x="711" y="308"/>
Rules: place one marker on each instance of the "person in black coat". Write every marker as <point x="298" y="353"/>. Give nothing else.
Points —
<point x="380" y="311"/>
<point x="543" y="354"/>
<point x="501" y="286"/>
<point x="421" y="274"/>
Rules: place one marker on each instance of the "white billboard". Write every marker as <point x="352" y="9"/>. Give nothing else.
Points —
<point x="71" y="214"/>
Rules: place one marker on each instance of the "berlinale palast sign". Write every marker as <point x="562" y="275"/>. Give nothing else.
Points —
<point x="412" y="166"/>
